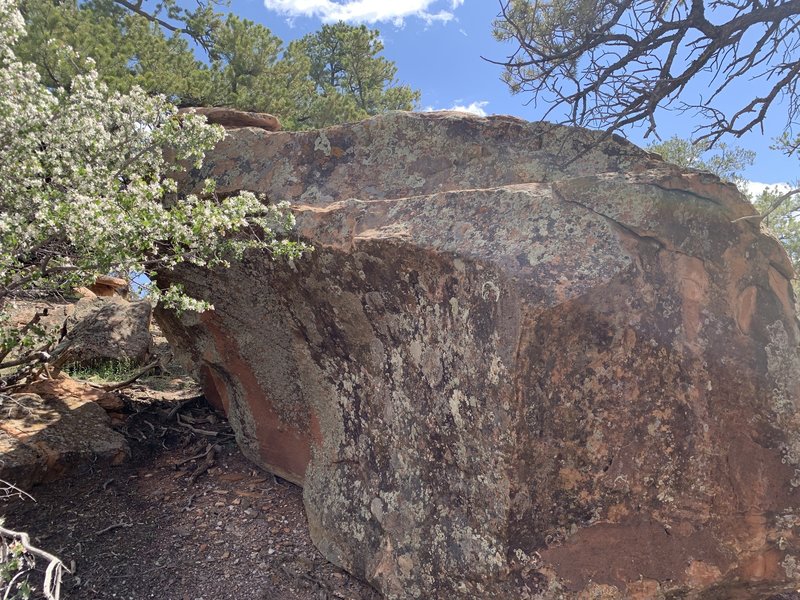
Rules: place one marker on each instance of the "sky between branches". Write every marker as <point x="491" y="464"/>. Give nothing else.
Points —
<point x="438" y="44"/>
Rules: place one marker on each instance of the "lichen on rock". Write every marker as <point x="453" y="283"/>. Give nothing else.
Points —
<point x="504" y="374"/>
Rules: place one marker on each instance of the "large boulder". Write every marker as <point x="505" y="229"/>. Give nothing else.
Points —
<point x="524" y="361"/>
<point x="109" y="329"/>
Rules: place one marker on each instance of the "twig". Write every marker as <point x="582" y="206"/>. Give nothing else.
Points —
<point x="19" y="492"/>
<point x="180" y="405"/>
<point x="207" y="464"/>
<point x="112" y="527"/>
<point x="195" y="457"/>
<point x="107" y="483"/>
<point x="55" y="568"/>
<point x="195" y="429"/>
<point x="37" y="356"/>
<point x="6" y="398"/>
<point x="10" y="587"/>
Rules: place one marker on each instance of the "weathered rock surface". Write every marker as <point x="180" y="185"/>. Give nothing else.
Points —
<point x="109" y="329"/>
<point x="231" y="118"/>
<point x="503" y="374"/>
<point x="53" y="428"/>
<point x="51" y="314"/>
<point x="105" y="285"/>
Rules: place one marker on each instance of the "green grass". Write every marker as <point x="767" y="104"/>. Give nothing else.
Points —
<point x="103" y="371"/>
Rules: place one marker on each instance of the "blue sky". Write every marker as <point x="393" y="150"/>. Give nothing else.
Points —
<point x="437" y="46"/>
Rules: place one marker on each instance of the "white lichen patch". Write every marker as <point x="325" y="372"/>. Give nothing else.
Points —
<point x="322" y="144"/>
<point x="455" y="402"/>
<point x="791" y="567"/>
<point x="490" y="291"/>
<point x="783" y="367"/>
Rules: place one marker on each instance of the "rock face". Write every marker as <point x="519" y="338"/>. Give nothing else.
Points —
<point x="109" y="329"/>
<point x="105" y="285"/>
<point x="55" y="427"/>
<point x="507" y="374"/>
<point x="231" y="118"/>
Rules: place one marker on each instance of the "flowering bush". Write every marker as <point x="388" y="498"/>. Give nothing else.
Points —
<point x="85" y="187"/>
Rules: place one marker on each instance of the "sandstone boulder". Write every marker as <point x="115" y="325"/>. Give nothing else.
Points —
<point x="105" y="285"/>
<point x="109" y="328"/>
<point x="48" y="316"/>
<point x="232" y="118"/>
<point x="511" y="369"/>
<point x="53" y="428"/>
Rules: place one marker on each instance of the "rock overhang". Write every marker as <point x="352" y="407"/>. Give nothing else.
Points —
<point x="500" y="352"/>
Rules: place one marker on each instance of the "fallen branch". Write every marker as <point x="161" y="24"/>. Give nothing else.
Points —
<point x="33" y="357"/>
<point x="180" y="405"/>
<point x="189" y="503"/>
<point x="118" y="386"/>
<point x="55" y="568"/>
<point x="207" y="464"/>
<point x="195" y="457"/>
<point x="195" y="429"/>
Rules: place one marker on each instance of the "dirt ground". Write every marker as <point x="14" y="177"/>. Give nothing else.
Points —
<point x="187" y="518"/>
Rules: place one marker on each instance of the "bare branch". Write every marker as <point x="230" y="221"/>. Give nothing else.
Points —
<point x="773" y="207"/>
<point x="614" y="63"/>
<point x="55" y="568"/>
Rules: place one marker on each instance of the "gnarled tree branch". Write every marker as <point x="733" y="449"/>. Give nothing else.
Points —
<point x="614" y="63"/>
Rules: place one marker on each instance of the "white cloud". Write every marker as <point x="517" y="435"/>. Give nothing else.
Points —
<point x="476" y="108"/>
<point x="364" y="11"/>
<point x="754" y="188"/>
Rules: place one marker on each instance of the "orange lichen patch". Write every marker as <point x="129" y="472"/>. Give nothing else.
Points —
<point x="617" y="513"/>
<point x="700" y="574"/>
<point x="599" y="592"/>
<point x="644" y="589"/>
<point x="570" y="477"/>
<point x="762" y="566"/>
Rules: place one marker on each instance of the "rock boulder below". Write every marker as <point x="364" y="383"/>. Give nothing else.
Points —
<point x="109" y="329"/>
<point x="523" y="361"/>
<point x="53" y="428"/>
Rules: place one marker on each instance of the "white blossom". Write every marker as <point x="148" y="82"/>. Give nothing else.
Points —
<point x="84" y="185"/>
